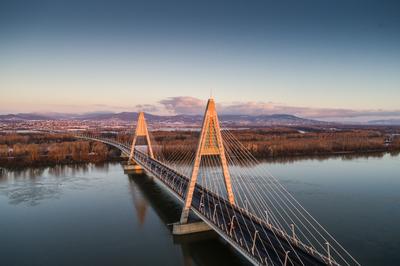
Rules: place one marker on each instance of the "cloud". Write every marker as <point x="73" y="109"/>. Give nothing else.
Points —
<point x="191" y="105"/>
<point x="183" y="105"/>
<point x="149" y="108"/>
<point x="261" y="108"/>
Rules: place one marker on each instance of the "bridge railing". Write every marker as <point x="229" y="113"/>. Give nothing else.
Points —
<point x="177" y="182"/>
<point x="224" y="228"/>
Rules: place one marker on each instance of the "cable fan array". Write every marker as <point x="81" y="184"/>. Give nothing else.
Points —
<point x="260" y="195"/>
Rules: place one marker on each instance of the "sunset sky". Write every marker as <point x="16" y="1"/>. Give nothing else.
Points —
<point x="336" y="60"/>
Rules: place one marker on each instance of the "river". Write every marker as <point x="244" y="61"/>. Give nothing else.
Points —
<point x="96" y="215"/>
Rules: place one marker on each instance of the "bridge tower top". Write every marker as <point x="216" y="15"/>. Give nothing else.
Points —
<point x="210" y="144"/>
<point x="141" y="131"/>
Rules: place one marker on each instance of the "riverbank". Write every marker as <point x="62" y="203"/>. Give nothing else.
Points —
<point x="18" y="150"/>
<point x="275" y="143"/>
<point x="12" y="164"/>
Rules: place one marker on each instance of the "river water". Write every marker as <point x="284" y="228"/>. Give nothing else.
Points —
<point x="96" y="215"/>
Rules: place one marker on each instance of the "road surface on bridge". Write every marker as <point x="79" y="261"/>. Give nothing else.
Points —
<point x="220" y="218"/>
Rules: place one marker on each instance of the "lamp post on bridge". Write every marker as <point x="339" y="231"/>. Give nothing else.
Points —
<point x="254" y="242"/>
<point x="286" y="258"/>
<point x="329" y="253"/>
<point x="215" y="212"/>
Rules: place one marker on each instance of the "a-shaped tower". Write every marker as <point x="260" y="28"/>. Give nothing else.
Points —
<point x="210" y="144"/>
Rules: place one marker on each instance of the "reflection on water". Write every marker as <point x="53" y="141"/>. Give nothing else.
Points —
<point x="139" y="202"/>
<point x="33" y="185"/>
<point x="339" y="156"/>
<point x="356" y="199"/>
<point x="95" y="215"/>
<point x="91" y="215"/>
<point x="198" y="249"/>
<point x="55" y="170"/>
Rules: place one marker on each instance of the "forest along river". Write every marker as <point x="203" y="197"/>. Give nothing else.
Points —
<point x="96" y="215"/>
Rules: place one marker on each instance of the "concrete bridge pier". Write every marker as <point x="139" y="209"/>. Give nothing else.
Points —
<point x="193" y="238"/>
<point x="190" y="228"/>
<point x="133" y="169"/>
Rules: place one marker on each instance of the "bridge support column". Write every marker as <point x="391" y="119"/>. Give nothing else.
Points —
<point x="190" y="228"/>
<point x="141" y="133"/>
<point x="133" y="169"/>
<point x="210" y="144"/>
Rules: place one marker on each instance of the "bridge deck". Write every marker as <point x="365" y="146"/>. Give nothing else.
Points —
<point x="275" y="241"/>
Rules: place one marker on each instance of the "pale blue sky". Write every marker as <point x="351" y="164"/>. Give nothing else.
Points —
<point x="73" y="56"/>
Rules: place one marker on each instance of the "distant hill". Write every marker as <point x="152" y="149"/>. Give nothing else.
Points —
<point x="244" y="120"/>
<point x="387" y="122"/>
<point x="269" y="119"/>
<point x="26" y="116"/>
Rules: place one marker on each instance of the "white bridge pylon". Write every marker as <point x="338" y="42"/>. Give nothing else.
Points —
<point x="210" y="144"/>
<point x="141" y="131"/>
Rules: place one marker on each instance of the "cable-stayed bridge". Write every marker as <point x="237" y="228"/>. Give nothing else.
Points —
<point x="221" y="184"/>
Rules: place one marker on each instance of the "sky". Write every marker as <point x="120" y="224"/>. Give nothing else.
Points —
<point x="333" y="60"/>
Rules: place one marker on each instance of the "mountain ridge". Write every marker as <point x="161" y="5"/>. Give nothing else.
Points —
<point x="180" y="118"/>
<point x="385" y="122"/>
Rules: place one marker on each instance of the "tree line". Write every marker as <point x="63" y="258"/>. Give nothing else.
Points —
<point x="41" y="149"/>
<point x="17" y="149"/>
<point x="278" y="142"/>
